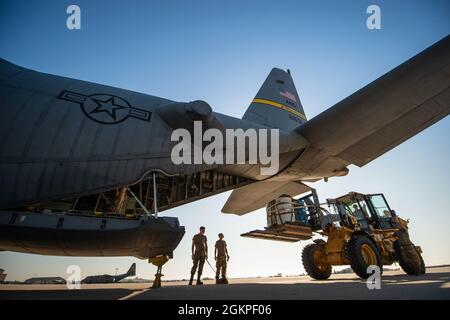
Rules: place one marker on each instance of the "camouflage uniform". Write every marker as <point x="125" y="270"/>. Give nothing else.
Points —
<point x="221" y="263"/>
<point x="199" y="254"/>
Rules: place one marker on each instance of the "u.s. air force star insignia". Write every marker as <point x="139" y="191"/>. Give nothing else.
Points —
<point x="105" y="108"/>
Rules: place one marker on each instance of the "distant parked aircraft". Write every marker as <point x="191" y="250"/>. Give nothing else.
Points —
<point x="107" y="278"/>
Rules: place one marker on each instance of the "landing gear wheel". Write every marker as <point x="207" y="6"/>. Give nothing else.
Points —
<point x="313" y="257"/>
<point x="363" y="252"/>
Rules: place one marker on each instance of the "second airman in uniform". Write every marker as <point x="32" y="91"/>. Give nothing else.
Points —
<point x="221" y="255"/>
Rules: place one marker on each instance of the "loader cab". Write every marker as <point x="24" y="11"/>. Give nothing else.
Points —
<point x="352" y="207"/>
<point x="370" y="209"/>
<point x="381" y="210"/>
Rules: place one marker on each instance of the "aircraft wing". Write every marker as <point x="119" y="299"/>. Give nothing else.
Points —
<point x="256" y="195"/>
<point x="383" y="114"/>
<point x="363" y="126"/>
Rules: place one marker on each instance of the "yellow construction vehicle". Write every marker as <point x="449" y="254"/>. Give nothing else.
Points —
<point x="357" y="229"/>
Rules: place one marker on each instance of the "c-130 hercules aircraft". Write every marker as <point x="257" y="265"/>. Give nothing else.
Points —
<point x="85" y="168"/>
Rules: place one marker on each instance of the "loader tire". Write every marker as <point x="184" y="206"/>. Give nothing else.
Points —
<point x="362" y="253"/>
<point x="422" y="264"/>
<point x="409" y="259"/>
<point x="316" y="270"/>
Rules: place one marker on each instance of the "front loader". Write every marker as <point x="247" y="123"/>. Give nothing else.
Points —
<point x="356" y="229"/>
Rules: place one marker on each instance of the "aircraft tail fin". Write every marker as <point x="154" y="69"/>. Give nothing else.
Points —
<point x="277" y="103"/>
<point x="132" y="270"/>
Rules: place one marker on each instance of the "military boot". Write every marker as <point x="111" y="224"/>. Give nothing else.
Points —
<point x="192" y="279"/>
<point x="217" y="280"/>
<point x="199" y="282"/>
<point x="224" y="280"/>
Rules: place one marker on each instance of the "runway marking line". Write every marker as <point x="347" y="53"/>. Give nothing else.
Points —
<point x="135" y="293"/>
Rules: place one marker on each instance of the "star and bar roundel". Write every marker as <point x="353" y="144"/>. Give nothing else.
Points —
<point x="105" y="108"/>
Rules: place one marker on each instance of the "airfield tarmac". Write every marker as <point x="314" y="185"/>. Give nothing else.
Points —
<point x="395" y="285"/>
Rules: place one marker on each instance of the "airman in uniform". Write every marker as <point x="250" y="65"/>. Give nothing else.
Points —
<point x="221" y="255"/>
<point x="199" y="255"/>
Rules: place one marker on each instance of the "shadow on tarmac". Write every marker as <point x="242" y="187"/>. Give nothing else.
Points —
<point x="428" y="286"/>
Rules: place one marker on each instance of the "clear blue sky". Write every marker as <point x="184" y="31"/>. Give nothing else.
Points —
<point x="221" y="52"/>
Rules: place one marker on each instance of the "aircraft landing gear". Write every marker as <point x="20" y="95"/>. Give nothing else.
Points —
<point x="158" y="261"/>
